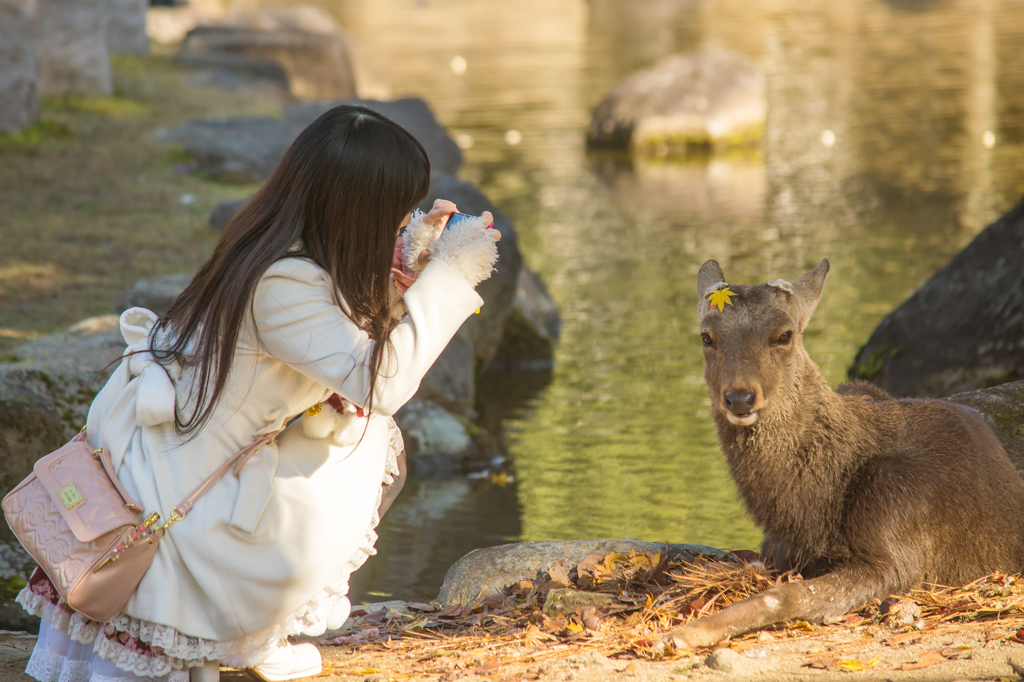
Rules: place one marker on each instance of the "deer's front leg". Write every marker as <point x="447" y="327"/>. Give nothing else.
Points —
<point x="828" y="596"/>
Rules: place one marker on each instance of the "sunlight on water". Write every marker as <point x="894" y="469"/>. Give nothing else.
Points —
<point x="895" y="133"/>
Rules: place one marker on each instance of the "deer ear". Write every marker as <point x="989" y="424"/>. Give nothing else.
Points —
<point x="709" y="273"/>
<point x="807" y="291"/>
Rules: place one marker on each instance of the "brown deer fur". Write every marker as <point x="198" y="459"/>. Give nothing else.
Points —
<point x="865" y="495"/>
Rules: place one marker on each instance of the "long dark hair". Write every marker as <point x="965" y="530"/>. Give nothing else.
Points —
<point x="337" y="198"/>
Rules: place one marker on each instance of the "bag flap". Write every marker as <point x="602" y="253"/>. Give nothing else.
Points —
<point x="82" y="492"/>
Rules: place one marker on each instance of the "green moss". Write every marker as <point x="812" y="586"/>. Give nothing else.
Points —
<point x="111" y="107"/>
<point x="676" y="144"/>
<point x="873" y="365"/>
<point x="10" y="587"/>
<point x="38" y="133"/>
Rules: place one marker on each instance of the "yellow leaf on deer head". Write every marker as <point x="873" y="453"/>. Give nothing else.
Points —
<point x="720" y="298"/>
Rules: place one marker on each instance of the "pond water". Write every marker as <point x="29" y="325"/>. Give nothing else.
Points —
<point x="925" y="103"/>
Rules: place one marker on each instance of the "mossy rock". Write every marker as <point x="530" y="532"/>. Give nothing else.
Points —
<point x="685" y="104"/>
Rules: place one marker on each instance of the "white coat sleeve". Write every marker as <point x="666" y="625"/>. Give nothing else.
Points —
<point x="299" y="324"/>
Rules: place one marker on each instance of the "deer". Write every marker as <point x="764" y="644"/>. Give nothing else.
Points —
<point x="864" y="495"/>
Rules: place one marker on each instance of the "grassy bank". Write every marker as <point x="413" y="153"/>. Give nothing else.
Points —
<point x="90" y="202"/>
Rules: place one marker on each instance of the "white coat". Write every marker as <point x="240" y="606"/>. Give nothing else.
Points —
<point x="269" y="552"/>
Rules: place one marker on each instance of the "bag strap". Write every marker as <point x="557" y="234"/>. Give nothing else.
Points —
<point x="104" y="457"/>
<point x="239" y="460"/>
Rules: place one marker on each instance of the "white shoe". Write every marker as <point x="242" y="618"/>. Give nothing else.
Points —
<point x="289" y="662"/>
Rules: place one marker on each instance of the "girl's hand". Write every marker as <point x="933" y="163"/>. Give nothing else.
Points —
<point x="439" y="215"/>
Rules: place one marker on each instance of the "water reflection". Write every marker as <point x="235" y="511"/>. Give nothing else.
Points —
<point x="620" y="442"/>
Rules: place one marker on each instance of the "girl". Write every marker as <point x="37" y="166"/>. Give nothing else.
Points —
<point x="294" y="314"/>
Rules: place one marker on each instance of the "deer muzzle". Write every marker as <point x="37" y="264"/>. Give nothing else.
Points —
<point x="740" y="406"/>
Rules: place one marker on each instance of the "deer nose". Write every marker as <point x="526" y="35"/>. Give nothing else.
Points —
<point x="740" y="403"/>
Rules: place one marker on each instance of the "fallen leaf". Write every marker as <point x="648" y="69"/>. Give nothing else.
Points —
<point x="631" y="668"/>
<point x="552" y="585"/>
<point x="802" y="625"/>
<point x="558" y="573"/>
<point x="425" y="608"/>
<point x="659" y="573"/>
<point x="376" y="616"/>
<point x="589" y="564"/>
<point x="852" y="665"/>
<point x="955" y="652"/>
<point x="613" y="558"/>
<point x="924" y="660"/>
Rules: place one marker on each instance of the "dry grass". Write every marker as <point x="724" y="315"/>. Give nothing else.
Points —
<point x="91" y="202"/>
<point x="508" y="634"/>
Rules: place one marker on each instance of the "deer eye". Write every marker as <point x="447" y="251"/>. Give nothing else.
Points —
<point x="706" y="338"/>
<point x="784" y="339"/>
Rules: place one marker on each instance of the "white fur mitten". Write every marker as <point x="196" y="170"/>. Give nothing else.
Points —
<point x="467" y="246"/>
<point x="418" y="236"/>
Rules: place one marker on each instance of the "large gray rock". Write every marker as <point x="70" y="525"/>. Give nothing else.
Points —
<point x="451" y="381"/>
<point x="247" y="150"/>
<point x="126" y="26"/>
<point x="1003" y="409"/>
<point x="225" y="211"/>
<point x="156" y="294"/>
<point x="964" y="329"/>
<point x="532" y="329"/>
<point x="72" y="55"/>
<point x="303" y="41"/>
<point x="492" y="569"/>
<point x="46" y="390"/>
<point x="711" y="98"/>
<point x="19" y="96"/>
<point x="242" y="150"/>
<point x="411" y="113"/>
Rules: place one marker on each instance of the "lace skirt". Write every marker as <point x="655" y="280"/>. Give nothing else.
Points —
<point x="72" y="648"/>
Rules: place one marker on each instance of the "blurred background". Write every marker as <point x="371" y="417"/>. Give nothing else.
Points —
<point x="894" y="134"/>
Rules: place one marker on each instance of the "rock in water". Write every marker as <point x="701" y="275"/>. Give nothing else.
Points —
<point x="492" y="569"/>
<point x="532" y="329"/>
<point x="19" y="96"/>
<point x="433" y="436"/>
<point x="451" y="381"/>
<point x="964" y="329"/>
<point x="684" y="103"/>
<point x="126" y="26"/>
<point x="72" y="56"/>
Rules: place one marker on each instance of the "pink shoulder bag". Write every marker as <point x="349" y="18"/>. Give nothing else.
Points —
<point x="75" y="519"/>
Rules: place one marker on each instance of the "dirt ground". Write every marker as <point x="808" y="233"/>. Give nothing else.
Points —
<point x="92" y="202"/>
<point x="782" y="656"/>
